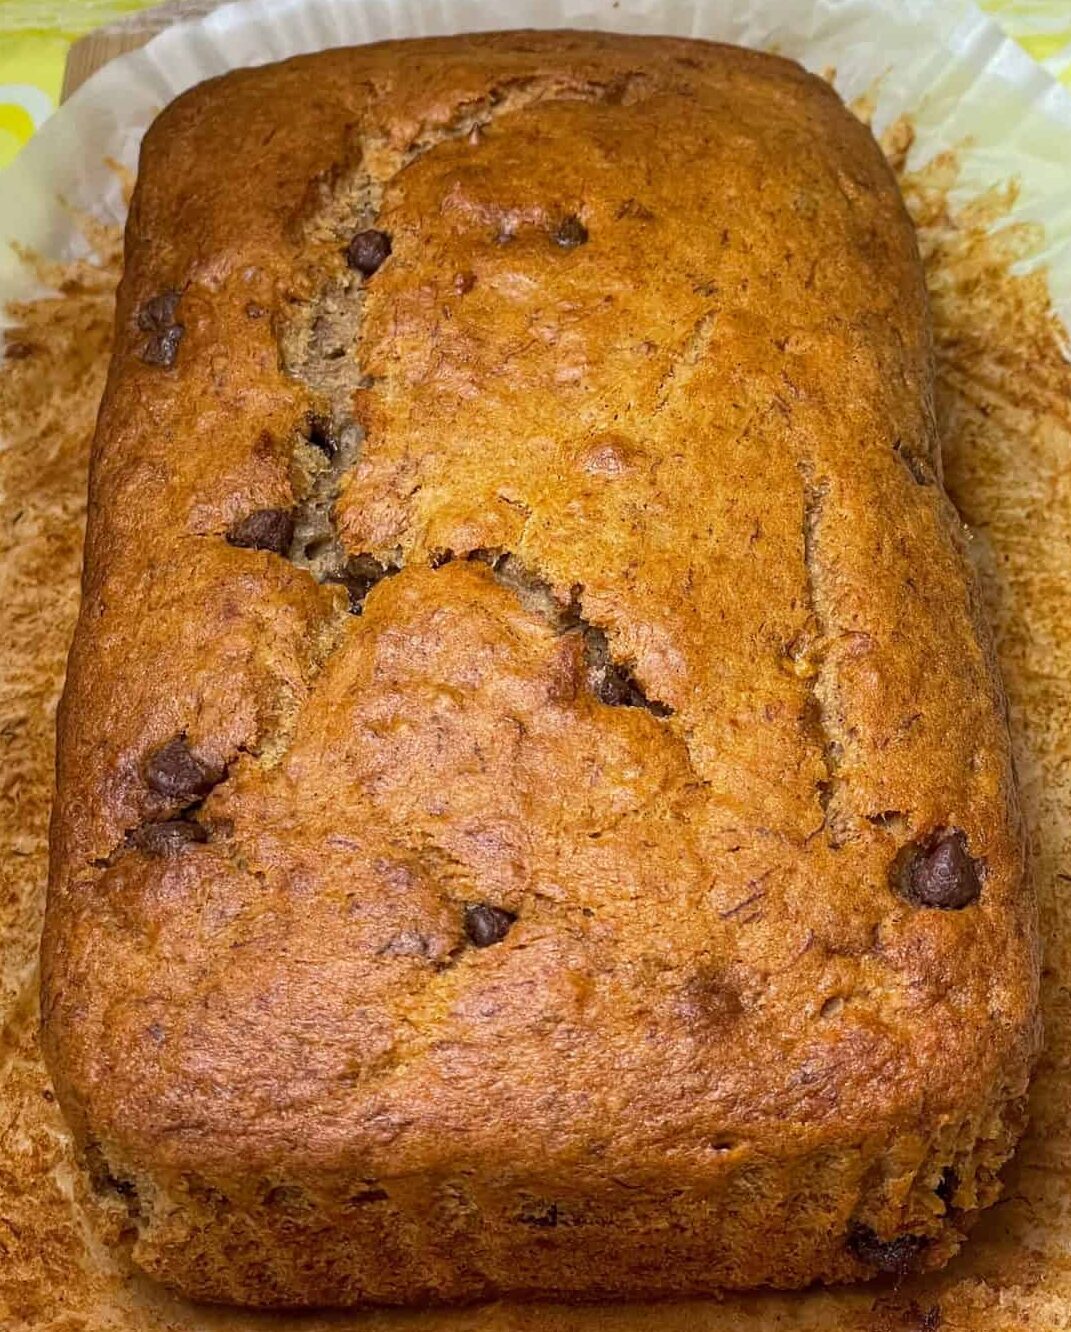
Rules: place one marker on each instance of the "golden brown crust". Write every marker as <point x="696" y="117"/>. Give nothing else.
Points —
<point x="645" y="390"/>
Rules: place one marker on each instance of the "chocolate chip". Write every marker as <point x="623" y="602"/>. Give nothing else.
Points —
<point x="897" y="1255"/>
<point x="486" y="925"/>
<point x="159" y="312"/>
<point x="464" y="283"/>
<point x="947" y="1185"/>
<point x="176" y="773"/>
<point x="162" y="348"/>
<point x="570" y="233"/>
<point x="937" y="872"/>
<point x="157" y="318"/>
<point x="368" y="251"/>
<point x="18" y="351"/>
<point x="359" y="575"/>
<point x="264" y="529"/>
<point x="167" y="839"/>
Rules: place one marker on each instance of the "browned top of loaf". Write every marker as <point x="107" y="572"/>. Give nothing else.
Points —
<point x="657" y="329"/>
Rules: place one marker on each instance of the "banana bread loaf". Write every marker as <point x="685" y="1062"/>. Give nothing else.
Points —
<point x="534" y="806"/>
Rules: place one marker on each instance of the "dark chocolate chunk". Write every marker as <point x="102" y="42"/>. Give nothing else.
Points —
<point x="570" y="232"/>
<point x="264" y="529"/>
<point x="486" y="925"/>
<point x="938" y="872"/>
<point x="157" y="318"/>
<point x="167" y="839"/>
<point x="368" y="251"/>
<point x="897" y="1255"/>
<point x="162" y="348"/>
<point x="358" y="576"/>
<point x="947" y="1185"/>
<point x="159" y="313"/>
<point x="176" y="773"/>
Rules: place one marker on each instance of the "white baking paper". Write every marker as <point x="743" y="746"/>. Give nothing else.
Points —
<point x="964" y="84"/>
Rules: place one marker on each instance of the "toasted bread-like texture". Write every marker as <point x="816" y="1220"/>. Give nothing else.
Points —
<point x="535" y="811"/>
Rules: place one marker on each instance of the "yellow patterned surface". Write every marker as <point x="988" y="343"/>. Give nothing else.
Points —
<point x="36" y="34"/>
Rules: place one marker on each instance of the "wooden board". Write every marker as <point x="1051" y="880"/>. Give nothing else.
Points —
<point x="94" y="50"/>
<point x="88" y="54"/>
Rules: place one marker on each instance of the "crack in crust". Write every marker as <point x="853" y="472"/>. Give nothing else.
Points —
<point x="317" y="338"/>
<point x="610" y="680"/>
<point x="315" y="545"/>
<point x="690" y="354"/>
<point x="807" y="652"/>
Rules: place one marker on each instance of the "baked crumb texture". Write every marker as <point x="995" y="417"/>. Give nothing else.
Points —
<point x="535" y="812"/>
